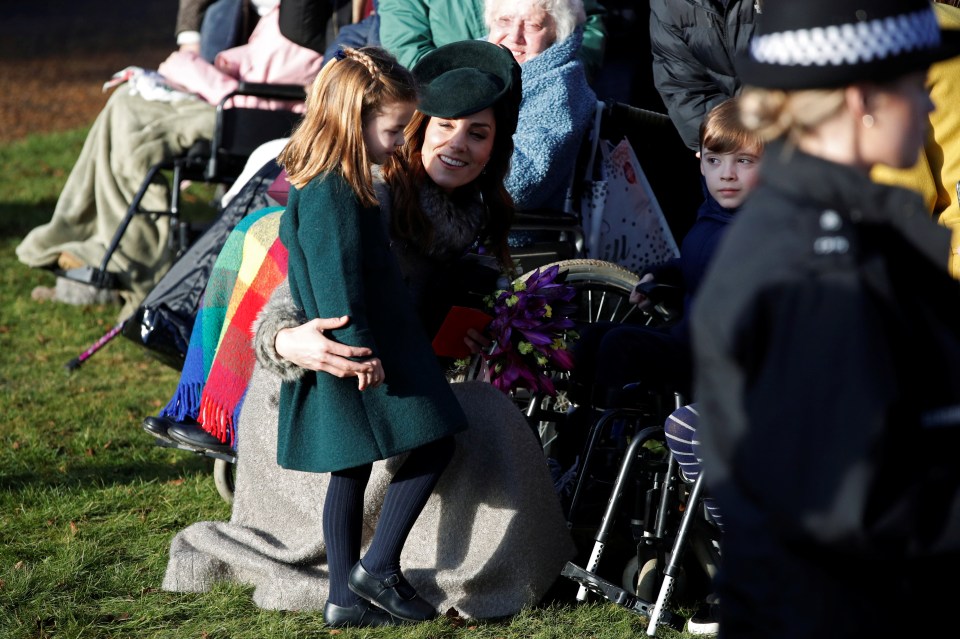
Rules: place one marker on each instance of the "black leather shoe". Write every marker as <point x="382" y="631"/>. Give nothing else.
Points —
<point x="158" y="426"/>
<point x="394" y="594"/>
<point x="194" y="436"/>
<point x="361" y="615"/>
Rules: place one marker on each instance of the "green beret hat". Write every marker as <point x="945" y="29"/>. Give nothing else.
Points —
<point x="464" y="77"/>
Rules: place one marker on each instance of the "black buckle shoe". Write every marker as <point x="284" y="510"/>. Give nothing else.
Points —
<point x="193" y="435"/>
<point x="361" y="615"/>
<point x="393" y="593"/>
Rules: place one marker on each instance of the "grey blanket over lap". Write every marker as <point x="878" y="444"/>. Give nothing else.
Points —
<point x="491" y="540"/>
<point x="129" y="136"/>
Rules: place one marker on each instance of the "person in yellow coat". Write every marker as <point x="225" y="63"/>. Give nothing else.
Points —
<point x="936" y="175"/>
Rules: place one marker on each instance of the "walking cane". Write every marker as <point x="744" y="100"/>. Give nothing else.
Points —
<point x="78" y="361"/>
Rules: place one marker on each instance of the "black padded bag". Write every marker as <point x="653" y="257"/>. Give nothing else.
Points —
<point x="163" y="323"/>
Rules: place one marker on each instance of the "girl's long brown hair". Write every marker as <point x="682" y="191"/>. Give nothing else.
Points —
<point x="346" y="93"/>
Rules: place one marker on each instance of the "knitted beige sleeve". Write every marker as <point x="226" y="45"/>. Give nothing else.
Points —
<point x="278" y="313"/>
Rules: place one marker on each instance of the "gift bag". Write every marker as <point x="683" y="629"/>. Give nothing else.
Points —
<point x="621" y="217"/>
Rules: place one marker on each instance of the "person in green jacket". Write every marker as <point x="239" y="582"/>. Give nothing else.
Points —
<point x="340" y="263"/>
<point x="410" y="29"/>
<point x="357" y="111"/>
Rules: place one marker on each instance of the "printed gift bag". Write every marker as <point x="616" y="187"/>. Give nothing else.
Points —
<point x="621" y="216"/>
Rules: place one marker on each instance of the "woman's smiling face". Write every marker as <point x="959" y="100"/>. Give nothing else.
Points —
<point x="455" y="151"/>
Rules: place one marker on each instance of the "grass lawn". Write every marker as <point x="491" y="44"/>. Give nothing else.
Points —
<point x="88" y="504"/>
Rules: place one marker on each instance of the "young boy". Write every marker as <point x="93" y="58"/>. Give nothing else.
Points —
<point x="612" y="355"/>
<point x="729" y="165"/>
<point x="729" y="162"/>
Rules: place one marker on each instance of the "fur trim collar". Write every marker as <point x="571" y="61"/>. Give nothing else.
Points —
<point x="456" y="217"/>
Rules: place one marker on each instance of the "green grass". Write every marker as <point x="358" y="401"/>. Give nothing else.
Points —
<point x="88" y="504"/>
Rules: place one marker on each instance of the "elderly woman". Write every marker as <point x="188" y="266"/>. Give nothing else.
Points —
<point x="544" y="37"/>
<point x="132" y="133"/>
<point x="552" y="40"/>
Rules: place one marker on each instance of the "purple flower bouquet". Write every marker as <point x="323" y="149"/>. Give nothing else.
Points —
<point x="531" y="329"/>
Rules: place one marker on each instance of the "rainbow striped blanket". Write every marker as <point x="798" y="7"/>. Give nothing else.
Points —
<point x="220" y="357"/>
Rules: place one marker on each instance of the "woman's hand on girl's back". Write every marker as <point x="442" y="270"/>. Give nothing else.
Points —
<point x="308" y="347"/>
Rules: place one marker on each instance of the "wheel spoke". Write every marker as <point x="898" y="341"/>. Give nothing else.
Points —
<point x="603" y="293"/>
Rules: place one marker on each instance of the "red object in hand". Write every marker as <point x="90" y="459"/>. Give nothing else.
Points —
<point x="448" y="341"/>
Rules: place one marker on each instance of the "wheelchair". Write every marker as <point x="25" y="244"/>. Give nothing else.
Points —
<point x="540" y="239"/>
<point x="650" y="504"/>
<point x="650" y="512"/>
<point x="238" y="131"/>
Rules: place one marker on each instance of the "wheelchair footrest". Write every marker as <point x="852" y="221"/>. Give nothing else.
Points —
<point x="89" y="275"/>
<point x="618" y="595"/>
<point x="169" y="443"/>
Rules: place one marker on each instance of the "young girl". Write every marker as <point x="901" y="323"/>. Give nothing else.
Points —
<point x="340" y="264"/>
<point x="492" y="537"/>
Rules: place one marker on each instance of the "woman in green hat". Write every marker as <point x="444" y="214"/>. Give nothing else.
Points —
<point x="490" y="540"/>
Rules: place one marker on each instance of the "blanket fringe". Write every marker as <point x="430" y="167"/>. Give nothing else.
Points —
<point x="185" y="403"/>
<point x="217" y="419"/>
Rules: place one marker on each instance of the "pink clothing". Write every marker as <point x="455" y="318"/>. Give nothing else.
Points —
<point x="266" y="57"/>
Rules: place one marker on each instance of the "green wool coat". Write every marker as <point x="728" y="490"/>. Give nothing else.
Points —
<point x="340" y="264"/>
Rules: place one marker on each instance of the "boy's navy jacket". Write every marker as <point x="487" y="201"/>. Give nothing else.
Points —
<point x="696" y="252"/>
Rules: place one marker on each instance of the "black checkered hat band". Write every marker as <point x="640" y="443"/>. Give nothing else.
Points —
<point x="850" y="43"/>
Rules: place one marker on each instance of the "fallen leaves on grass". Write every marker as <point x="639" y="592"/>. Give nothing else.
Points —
<point x="454" y="619"/>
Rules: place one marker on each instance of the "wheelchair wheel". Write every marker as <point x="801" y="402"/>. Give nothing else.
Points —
<point x="641" y="580"/>
<point x="603" y="289"/>
<point x="224" y="478"/>
<point x="645" y="583"/>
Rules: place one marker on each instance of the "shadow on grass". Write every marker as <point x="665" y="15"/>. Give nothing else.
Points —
<point x="109" y="473"/>
<point x="17" y="219"/>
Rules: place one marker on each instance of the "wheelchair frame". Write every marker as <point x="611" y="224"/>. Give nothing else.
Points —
<point x="217" y="161"/>
<point x="655" y="526"/>
<point x="604" y="288"/>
